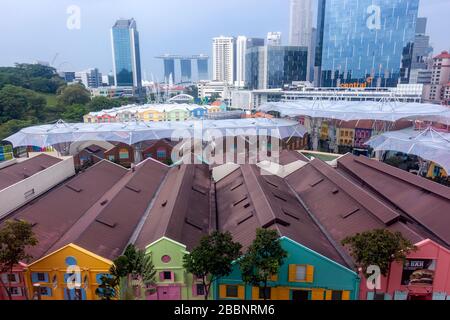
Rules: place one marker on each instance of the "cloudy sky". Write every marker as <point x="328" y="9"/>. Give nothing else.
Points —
<point x="37" y="29"/>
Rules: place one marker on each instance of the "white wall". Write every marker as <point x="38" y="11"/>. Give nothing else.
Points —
<point x="14" y="196"/>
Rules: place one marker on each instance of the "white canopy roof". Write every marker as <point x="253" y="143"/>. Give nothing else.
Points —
<point x="361" y="110"/>
<point x="429" y="144"/>
<point x="134" y="132"/>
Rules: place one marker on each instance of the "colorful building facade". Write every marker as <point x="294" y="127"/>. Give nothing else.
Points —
<point x="15" y="283"/>
<point x="423" y="276"/>
<point x="51" y="277"/>
<point x="304" y="275"/>
<point x="172" y="281"/>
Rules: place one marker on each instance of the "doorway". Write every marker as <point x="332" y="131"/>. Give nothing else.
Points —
<point x="300" y="295"/>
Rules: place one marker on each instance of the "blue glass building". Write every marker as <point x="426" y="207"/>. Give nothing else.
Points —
<point x="365" y="43"/>
<point x="126" y="54"/>
<point x="272" y="67"/>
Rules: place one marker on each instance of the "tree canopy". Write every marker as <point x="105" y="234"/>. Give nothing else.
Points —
<point x="263" y="259"/>
<point x="379" y="247"/>
<point x="134" y="271"/>
<point x="15" y="237"/>
<point x="212" y="258"/>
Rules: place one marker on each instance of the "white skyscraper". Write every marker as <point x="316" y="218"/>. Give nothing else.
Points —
<point x="274" y="39"/>
<point x="301" y="21"/>
<point x="242" y="44"/>
<point x="241" y="48"/>
<point x="224" y="55"/>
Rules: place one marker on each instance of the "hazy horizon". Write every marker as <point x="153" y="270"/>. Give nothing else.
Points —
<point x="36" y="29"/>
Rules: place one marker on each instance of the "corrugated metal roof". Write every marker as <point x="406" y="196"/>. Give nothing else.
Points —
<point x="54" y="213"/>
<point x="181" y="211"/>
<point x="20" y="171"/>
<point x="247" y="200"/>
<point x="424" y="201"/>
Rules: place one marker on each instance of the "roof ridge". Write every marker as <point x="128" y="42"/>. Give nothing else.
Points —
<point x="419" y="182"/>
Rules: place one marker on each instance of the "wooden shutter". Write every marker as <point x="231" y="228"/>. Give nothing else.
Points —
<point x="345" y="295"/>
<point x="328" y="294"/>
<point x="309" y="273"/>
<point x="283" y="293"/>
<point x="317" y="294"/>
<point x="255" y="293"/>
<point x="292" y="273"/>
<point x="241" y="292"/>
<point x="222" y="291"/>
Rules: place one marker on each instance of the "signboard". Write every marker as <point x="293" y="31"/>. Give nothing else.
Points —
<point x="418" y="272"/>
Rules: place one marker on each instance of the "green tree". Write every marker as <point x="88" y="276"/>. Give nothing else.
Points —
<point x="378" y="248"/>
<point x="134" y="271"/>
<point x="19" y="103"/>
<point x="263" y="259"/>
<point x="74" y="94"/>
<point x="212" y="258"/>
<point x="107" y="288"/>
<point x="100" y="103"/>
<point x="74" y="113"/>
<point x="15" y="237"/>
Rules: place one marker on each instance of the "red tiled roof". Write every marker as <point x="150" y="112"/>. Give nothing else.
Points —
<point x="20" y="171"/>
<point x="443" y="55"/>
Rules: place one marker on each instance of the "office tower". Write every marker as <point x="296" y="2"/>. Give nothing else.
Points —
<point x="186" y="70"/>
<point x="439" y="89"/>
<point x="126" y="54"/>
<point x="68" y="76"/>
<point x="202" y="67"/>
<point x="224" y="56"/>
<point x="301" y="21"/>
<point x="242" y="45"/>
<point x="420" y="71"/>
<point x="274" y="39"/>
<point x="272" y="67"/>
<point x="90" y="78"/>
<point x="365" y="43"/>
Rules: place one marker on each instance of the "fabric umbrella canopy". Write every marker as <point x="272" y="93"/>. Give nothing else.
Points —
<point x="135" y="132"/>
<point x="428" y="144"/>
<point x="361" y="110"/>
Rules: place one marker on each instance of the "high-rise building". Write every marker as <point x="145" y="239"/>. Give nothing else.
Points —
<point x="242" y="45"/>
<point x="301" y="23"/>
<point x="440" y="79"/>
<point x="126" y="54"/>
<point x="272" y="67"/>
<point x="274" y="39"/>
<point x="68" y="76"/>
<point x="90" y="78"/>
<point x="365" y="42"/>
<point x="420" y="71"/>
<point x="224" y="56"/>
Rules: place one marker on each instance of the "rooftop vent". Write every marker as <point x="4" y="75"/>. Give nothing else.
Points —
<point x="290" y="214"/>
<point x="135" y="189"/>
<point x="193" y="224"/>
<point x="247" y="217"/>
<point x="316" y="183"/>
<point x="276" y="221"/>
<point x="106" y="222"/>
<point x="346" y="215"/>
<point x="73" y="188"/>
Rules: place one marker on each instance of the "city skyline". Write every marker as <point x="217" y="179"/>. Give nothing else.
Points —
<point x="90" y="47"/>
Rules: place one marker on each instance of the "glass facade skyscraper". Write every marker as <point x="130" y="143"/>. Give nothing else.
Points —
<point x="126" y="54"/>
<point x="272" y="67"/>
<point x="365" y="43"/>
